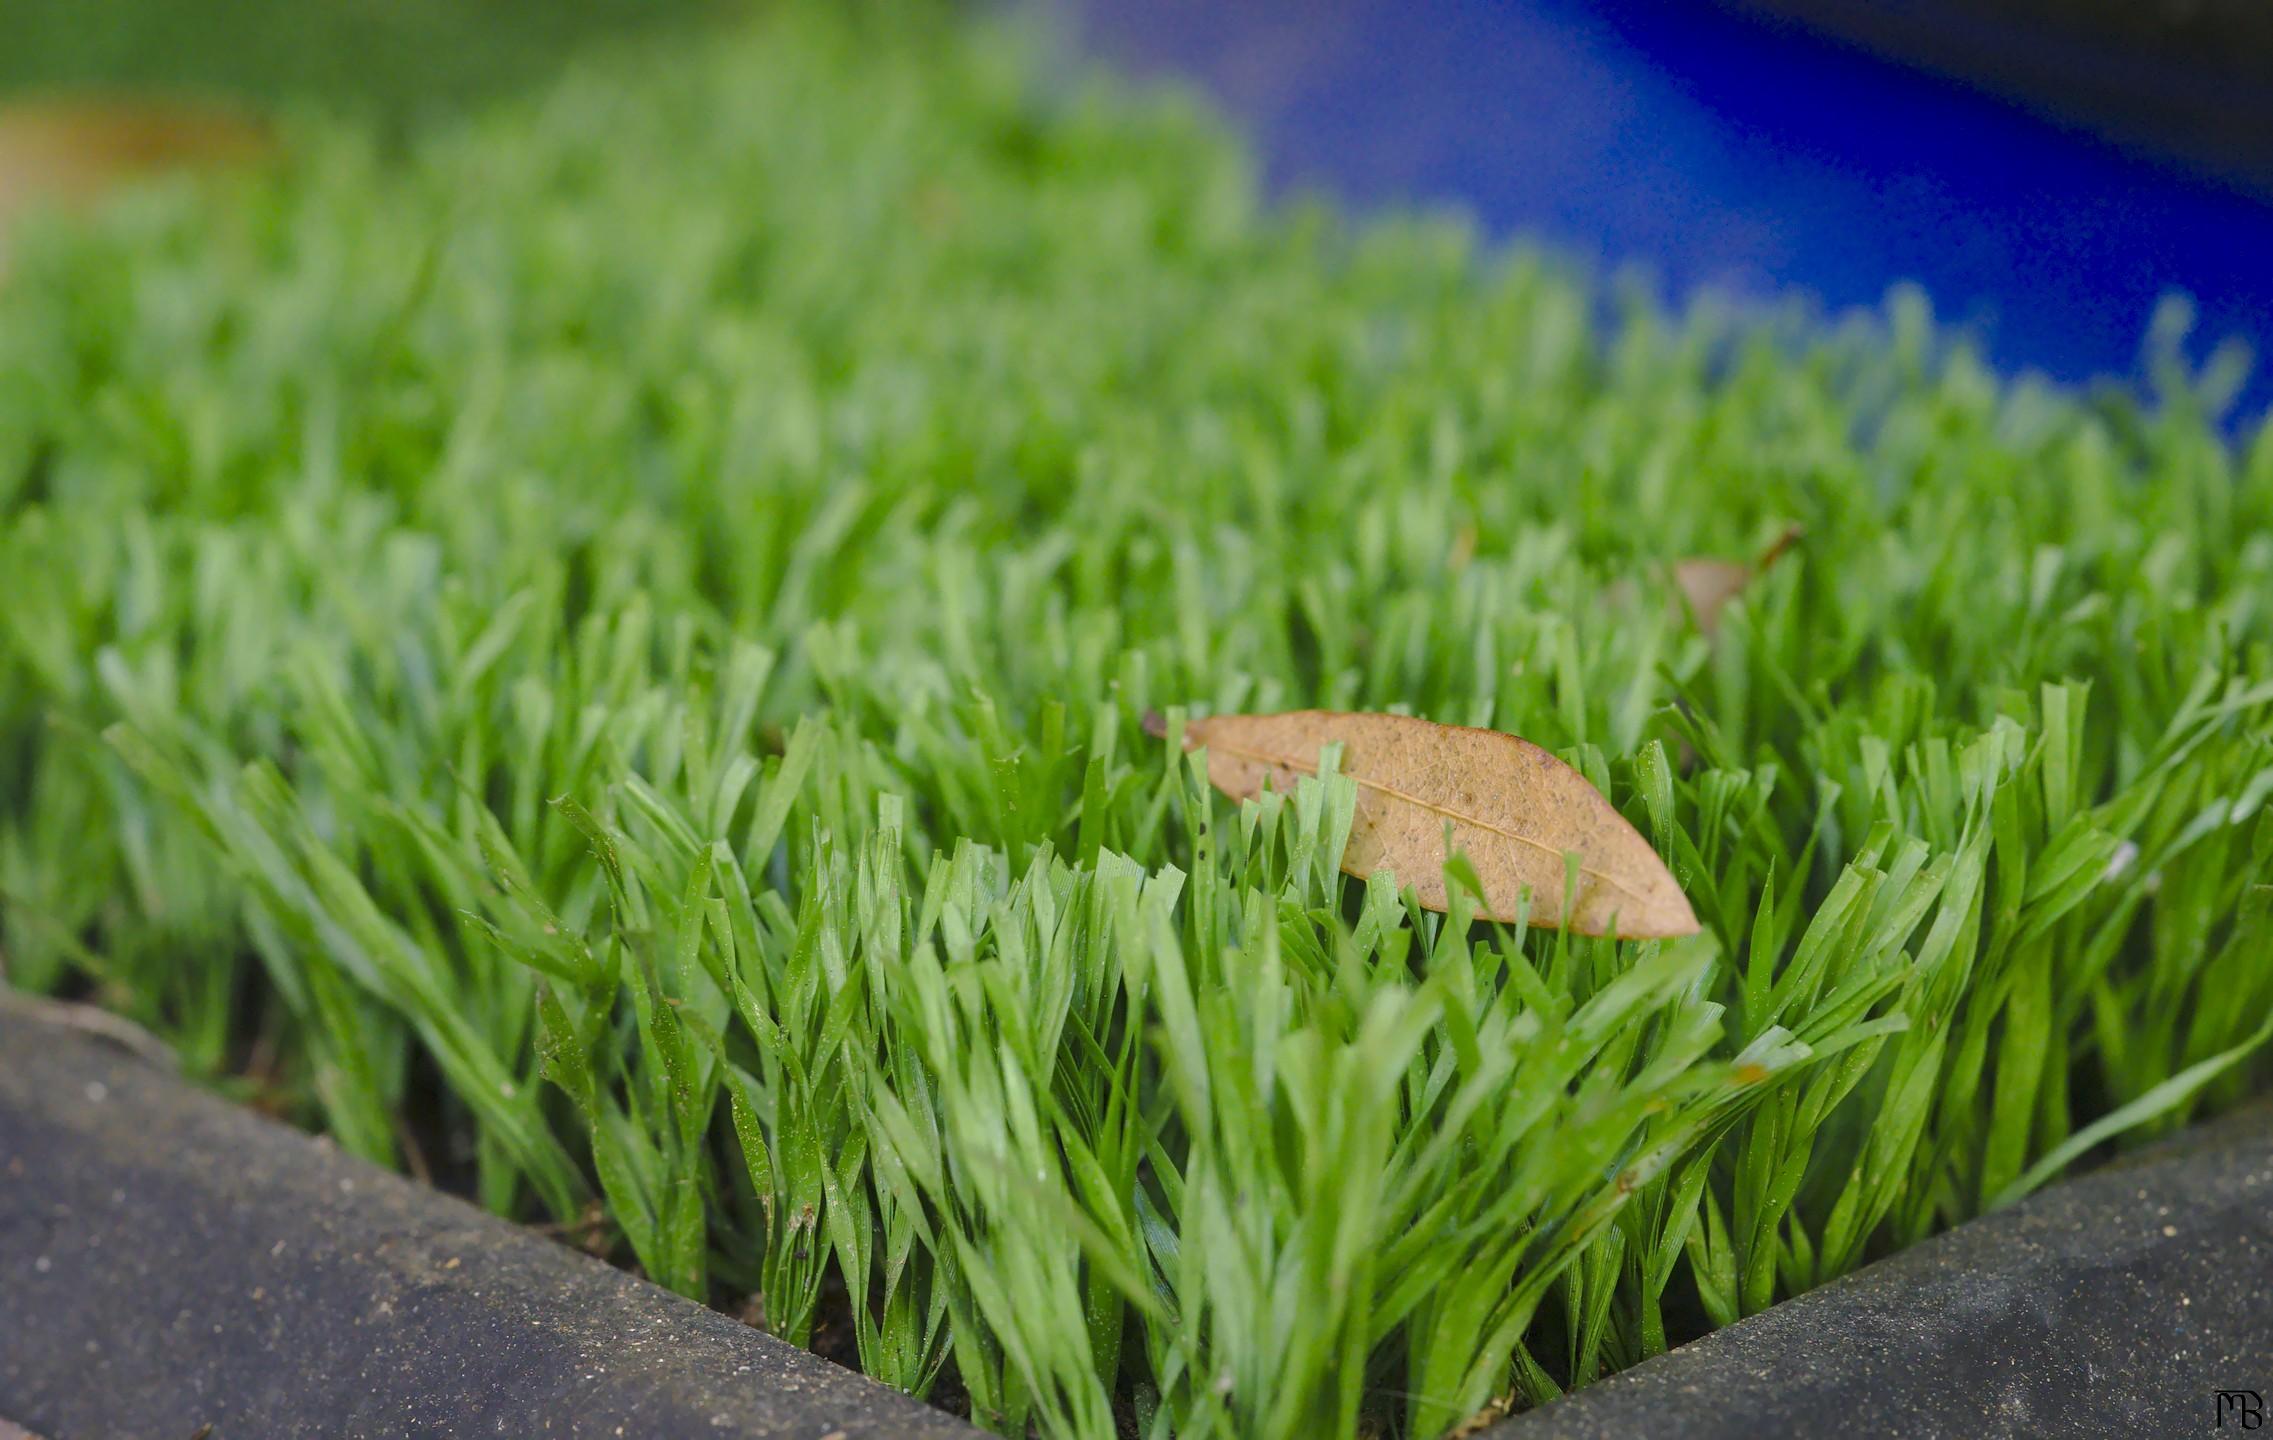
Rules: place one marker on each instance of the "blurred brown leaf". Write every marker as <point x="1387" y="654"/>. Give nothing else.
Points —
<point x="71" y="152"/>
<point x="1709" y="583"/>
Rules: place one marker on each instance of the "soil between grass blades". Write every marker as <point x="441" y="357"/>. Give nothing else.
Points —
<point x="603" y="658"/>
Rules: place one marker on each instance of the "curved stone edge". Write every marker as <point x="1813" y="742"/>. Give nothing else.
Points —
<point x="169" y="1261"/>
<point x="2123" y="1302"/>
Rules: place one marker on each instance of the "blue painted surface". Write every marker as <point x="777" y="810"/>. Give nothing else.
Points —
<point x="1716" y="151"/>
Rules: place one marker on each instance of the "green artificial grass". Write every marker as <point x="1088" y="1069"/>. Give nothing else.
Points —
<point x="603" y="658"/>
<point x="393" y="64"/>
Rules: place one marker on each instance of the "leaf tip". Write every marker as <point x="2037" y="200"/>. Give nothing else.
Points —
<point x="1663" y="912"/>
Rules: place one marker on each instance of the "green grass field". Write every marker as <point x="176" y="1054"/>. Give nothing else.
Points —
<point x="599" y="654"/>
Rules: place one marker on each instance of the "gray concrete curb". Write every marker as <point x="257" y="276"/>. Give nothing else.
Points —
<point x="2124" y="1302"/>
<point x="169" y="1261"/>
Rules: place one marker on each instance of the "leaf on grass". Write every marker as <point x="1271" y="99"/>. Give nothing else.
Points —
<point x="1513" y="809"/>
<point x="1707" y="584"/>
<point x="71" y="151"/>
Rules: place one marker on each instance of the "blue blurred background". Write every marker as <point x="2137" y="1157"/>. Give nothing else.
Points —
<point x="1721" y="149"/>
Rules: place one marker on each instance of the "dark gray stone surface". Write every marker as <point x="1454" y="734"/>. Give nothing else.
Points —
<point x="2118" y="1303"/>
<point x="169" y="1261"/>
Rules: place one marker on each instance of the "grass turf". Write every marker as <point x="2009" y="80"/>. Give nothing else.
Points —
<point x="603" y="656"/>
<point x="391" y="65"/>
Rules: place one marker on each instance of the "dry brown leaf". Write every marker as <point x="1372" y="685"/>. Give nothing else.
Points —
<point x="1513" y="810"/>
<point x="72" y="151"/>
<point x="1708" y="584"/>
